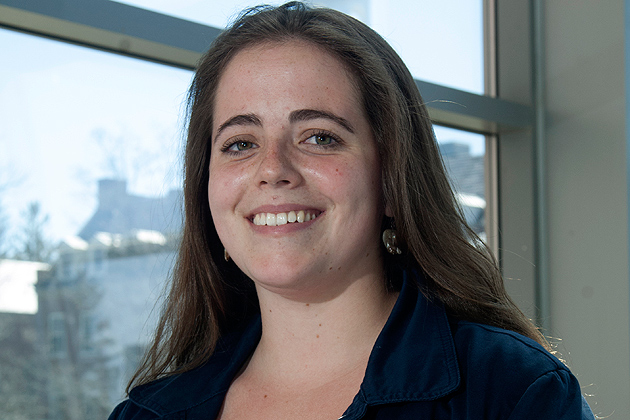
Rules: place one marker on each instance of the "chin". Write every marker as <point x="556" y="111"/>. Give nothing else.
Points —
<point x="277" y="276"/>
<point x="283" y="278"/>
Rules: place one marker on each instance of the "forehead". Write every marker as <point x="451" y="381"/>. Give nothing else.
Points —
<point x="293" y="72"/>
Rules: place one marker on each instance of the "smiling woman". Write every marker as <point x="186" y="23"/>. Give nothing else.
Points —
<point x="309" y="149"/>
<point x="326" y="269"/>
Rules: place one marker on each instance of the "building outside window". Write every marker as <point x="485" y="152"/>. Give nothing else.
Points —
<point x="94" y="139"/>
<point x="57" y="337"/>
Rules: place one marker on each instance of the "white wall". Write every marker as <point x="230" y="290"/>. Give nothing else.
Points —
<point x="588" y="196"/>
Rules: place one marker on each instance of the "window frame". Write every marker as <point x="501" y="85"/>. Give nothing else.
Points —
<point x="148" y="35"/>
<point x="506" y="114"/>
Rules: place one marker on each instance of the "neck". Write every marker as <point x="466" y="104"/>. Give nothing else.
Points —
<point x="301" y="339"/>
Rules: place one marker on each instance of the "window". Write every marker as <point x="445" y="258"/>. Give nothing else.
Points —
<point x="89" y="169"/>
<point x="94" y="139"/>
<point x="87" y="333"/>
<point x="440" y="41"/>
<point x="464" y="157"/>
<point x="58" y="339"/>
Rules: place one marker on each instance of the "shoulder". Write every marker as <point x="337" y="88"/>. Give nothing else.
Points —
<point x="511" y="376"/>
<point x="501" y="360"/>
<point x="200" y="389"/>
<point x="483" y="345"/>
<point x="172" y="397"/>
<point x="127" y="410"/>
<point x="147" y="401"/>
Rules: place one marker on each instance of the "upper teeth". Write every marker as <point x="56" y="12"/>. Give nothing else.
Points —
<point x="277" y="219"/>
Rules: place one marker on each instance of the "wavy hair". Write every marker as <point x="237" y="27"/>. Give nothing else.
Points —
<point x="208" y="295"/>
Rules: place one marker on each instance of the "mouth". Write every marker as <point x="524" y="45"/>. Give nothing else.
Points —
<point x="283" y="218"/>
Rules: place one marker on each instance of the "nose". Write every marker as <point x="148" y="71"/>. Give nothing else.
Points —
<point x="277" y="167"/>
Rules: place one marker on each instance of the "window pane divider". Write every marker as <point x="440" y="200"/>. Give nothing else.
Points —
<point x="140" y="33"/>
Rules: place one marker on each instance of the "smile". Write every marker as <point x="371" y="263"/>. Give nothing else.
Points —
<point x="277" y="219"/>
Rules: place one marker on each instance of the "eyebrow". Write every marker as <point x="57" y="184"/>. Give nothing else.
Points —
<point x="313" y="114"/>
<point x="243" y="119"/>
<point x="295" y="116"/>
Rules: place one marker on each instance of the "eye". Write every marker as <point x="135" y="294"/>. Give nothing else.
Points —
<point x="238" y="146"/>
<point x="322" y="139"/>
<point x="241" y="145"/>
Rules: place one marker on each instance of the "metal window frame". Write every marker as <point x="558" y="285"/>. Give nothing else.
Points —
<point x="509" y="124"/>
<point x="144" y="34"/>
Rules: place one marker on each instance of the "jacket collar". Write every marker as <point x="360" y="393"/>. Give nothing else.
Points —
<point x="413" y="359"/>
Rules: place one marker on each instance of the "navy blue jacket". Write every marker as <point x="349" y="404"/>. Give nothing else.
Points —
<point x="423" y="366"/>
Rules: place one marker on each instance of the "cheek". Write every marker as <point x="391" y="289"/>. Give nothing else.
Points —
<point x="222" y="185"/>
<point x="349" y="179"/>
<point x="367" y="182"/>
<point x="221" y="201"/>
<point x="331" y="177"/>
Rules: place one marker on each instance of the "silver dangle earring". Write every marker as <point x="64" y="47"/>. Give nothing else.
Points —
<point x="226" y="256"/>
<point x="390" y="242"/>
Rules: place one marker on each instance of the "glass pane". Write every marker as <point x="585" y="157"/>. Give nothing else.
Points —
<point x="464" y="156"/>
<point x="89" y="186"/>
<point x="440" y="41"/>
<point x="89" y="218"/>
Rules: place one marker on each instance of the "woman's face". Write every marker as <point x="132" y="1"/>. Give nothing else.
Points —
<point x="295" y="185"/>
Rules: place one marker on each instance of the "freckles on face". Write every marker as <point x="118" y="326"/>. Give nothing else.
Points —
<point x="289" y="137"/>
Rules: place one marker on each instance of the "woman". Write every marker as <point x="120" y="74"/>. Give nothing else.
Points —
<point x="326" y="269"/>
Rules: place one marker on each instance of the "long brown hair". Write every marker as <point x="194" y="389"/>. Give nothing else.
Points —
<point x="208" y="295"/>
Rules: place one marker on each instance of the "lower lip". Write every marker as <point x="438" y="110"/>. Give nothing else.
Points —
<point x="284" y="229"/>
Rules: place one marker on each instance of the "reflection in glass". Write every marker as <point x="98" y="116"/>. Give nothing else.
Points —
<point x="90" y="217"/>
<point x="464" y="158"/>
